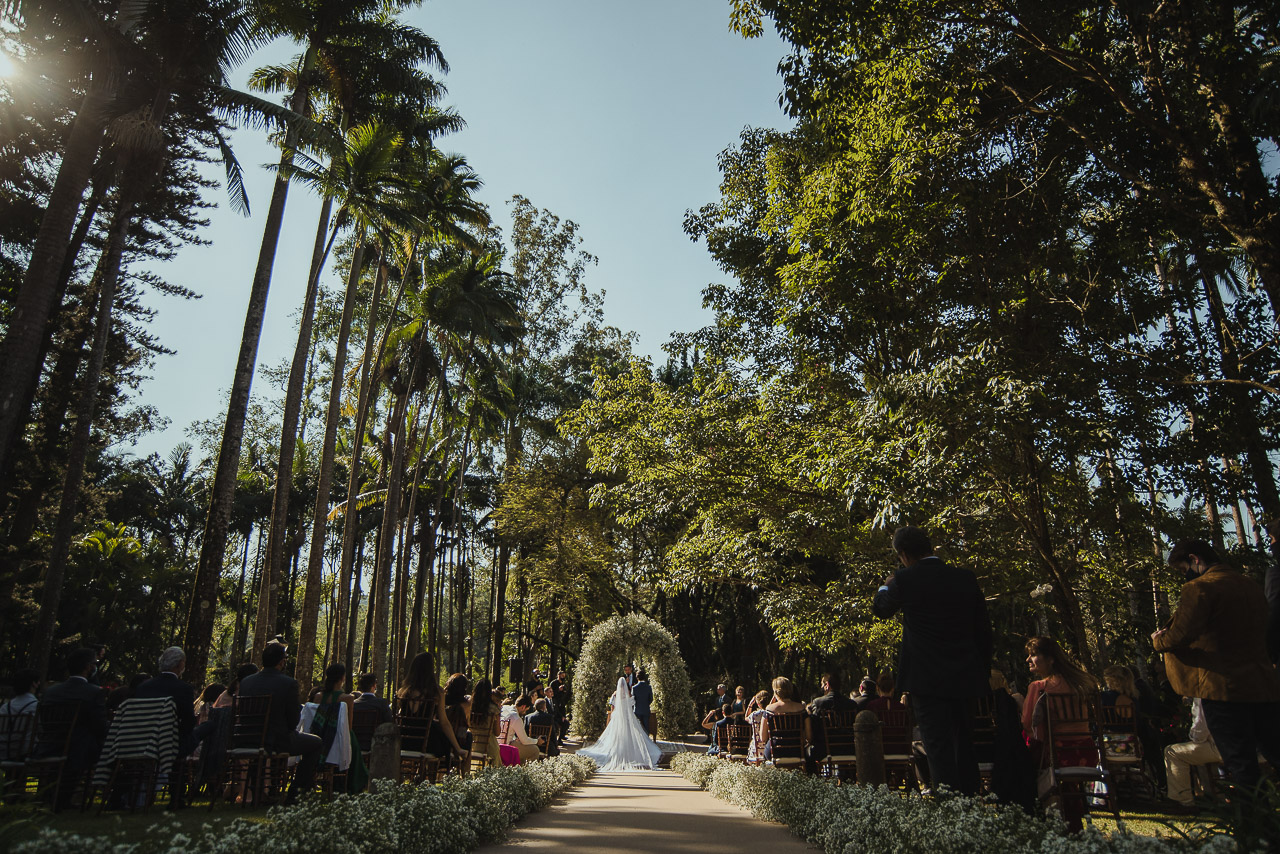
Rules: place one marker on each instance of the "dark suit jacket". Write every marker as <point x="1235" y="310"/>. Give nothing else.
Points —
<point x="1217" y="641"/>
<point x="382" y="704"/>
<point x="833" y="703"/>
<point x="946" y="632"/>
<point x="91" y="724"/>
<point x="643" y="694"/>
<point x="539" y="719"/>
<point x="184" y="700"/>
<point x="286" y="710"/>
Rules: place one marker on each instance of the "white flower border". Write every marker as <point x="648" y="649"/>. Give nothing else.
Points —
<point x="453" y="817"/>
<point x="854" y="819"/>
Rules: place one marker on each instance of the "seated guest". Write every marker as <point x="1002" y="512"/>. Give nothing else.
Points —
<point x="228" y="695"/>
<point x="23" y="701"/>
<point x="1013" y="773"/>
<point x="998" y="682"/>
<point x="204" y="703"/>
<point x="282" y="732"/>
<point x="1056" y="673"/>
<point x="1121" y="689"/>
<point x="866" y="692"/>
<point x="368" y="698"/>
<point x="117" y="696"/>
<point x="327" y="719"/>
<point x="420" y="695"/>
<point x="832" y="699"/>
<point x="886" y="687"/>
<point x="541" y="716"/>
<point x="486" y="714"/>
<point x="457" y="707"/>
<point x="714" y="717"/>
<point x="173" y="661"/>
<point x="757" y="714"/>
<point x="90" y="728"/>
<point x="786" y="701"/>
<point x="1180" y="758"/>
<point x="513" y="715"/>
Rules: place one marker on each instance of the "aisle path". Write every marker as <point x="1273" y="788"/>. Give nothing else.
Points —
<point x="655" y="811"/>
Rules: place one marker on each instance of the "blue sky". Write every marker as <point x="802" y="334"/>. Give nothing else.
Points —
<point x="611" y="114"/>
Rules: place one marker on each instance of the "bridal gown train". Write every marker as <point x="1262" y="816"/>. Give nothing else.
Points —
<point x="624" y="746"/>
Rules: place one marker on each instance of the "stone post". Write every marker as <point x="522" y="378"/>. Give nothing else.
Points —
<point x="384" y="756"/>
<point x="869" y="748"/>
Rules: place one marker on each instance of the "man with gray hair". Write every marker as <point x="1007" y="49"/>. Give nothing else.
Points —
<point x="169" y="684"/>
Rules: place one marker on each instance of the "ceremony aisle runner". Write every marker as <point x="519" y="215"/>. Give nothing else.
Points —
<point x="654" y="811"/>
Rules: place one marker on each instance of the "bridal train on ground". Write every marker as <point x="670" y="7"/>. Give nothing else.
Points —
<point x="624" y="746"/>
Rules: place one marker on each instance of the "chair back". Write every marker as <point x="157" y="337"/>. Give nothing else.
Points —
<point x="1073" y="722"/>
<point x="542" y="734"/>
<point x="415" y="718"/>
<point x="737" y="740"/>
<point x="363" y="724"/>
<point x="1120" y="733"/>
<point x="984" y="729"/>
<point x="786" y="735"/>
<point x="250" y="718"/>
<point x="895" y="731"/>
<point x="503" y="726"/>
<point x="17" y="735"/>
<point x="838" y="729"/>
<point x="55" y="724"/>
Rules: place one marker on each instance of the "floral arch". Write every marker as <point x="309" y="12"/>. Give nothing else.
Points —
<point x="638" y="639"/>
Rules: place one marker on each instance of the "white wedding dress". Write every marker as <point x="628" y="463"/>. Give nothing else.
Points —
<point x="624" y="746"/>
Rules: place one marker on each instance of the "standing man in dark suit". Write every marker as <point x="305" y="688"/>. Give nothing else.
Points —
<point x="946" y="653"/>
<point x="90" y="729"/>
<point x="629" y="673"/>
<point x="286" y="711"/>
<point x="368" y="698"/>
<point x="643" y="695"/>
<point x="169" y="684"/>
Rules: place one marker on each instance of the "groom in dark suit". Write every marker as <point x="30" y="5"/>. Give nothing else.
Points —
<point x="946" y="653"/>
<point x="643" y="695"/>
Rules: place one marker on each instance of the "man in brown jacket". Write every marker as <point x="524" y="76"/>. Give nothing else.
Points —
<point x="1215" y="649"/>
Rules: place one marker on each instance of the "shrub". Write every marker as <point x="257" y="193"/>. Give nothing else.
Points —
<point x="456" y="816"/>
<point x="851" y="819"/>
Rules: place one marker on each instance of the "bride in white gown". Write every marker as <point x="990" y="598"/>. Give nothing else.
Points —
<point x="624" y="746"/>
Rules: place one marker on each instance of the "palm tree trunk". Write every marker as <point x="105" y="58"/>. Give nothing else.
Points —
<point x="324" y="484"/>
<point x="51" y="595"/>
<point x="28" y="321"/>
<point x="288" y="435"/>
<point x="390" y="522"/>
<point x="204" y="598"/>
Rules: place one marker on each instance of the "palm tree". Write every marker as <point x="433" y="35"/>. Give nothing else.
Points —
<point x="319" y="25"/>
<point x="359" y="82"/>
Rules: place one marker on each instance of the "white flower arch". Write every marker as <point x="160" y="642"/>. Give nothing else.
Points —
<point x="640" y="640"/>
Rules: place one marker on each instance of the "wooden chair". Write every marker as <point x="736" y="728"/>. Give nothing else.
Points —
<point x="47" y="763"/>
<point x="416" y="718"/>
<point x="251" y="772"/>
<point x="838" y="730"/>
<point x="1074" y="725"/>
<point x="481" y="729"/>
<point x="896" y="727"/>
<point x="984" y="740"/>
<point x="17" y="736"/>
<point x="142" y="742"/>
<point x="1122" y="753"/>
<point x="737" y="741"/>
<point x="786" y="740"/>
<point x="542" y="734"/>
<point x="363" y="724"/>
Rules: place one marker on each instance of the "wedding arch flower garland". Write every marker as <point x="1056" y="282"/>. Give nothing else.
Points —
<point x="646" y="643"/>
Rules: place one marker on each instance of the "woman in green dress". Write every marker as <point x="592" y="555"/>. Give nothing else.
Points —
<point x="325" y="723"/>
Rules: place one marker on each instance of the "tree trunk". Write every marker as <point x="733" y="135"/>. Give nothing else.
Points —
<point x="51" y="594"/>
<point x="33" y="305"/>
<point x="324" y="485"/>
<point x="204" y="598"/>
<point x="288" y="433"/>
<point x="387" y="539"/>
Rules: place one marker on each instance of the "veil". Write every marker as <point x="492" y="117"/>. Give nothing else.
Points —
<point x="624" y="745"/>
